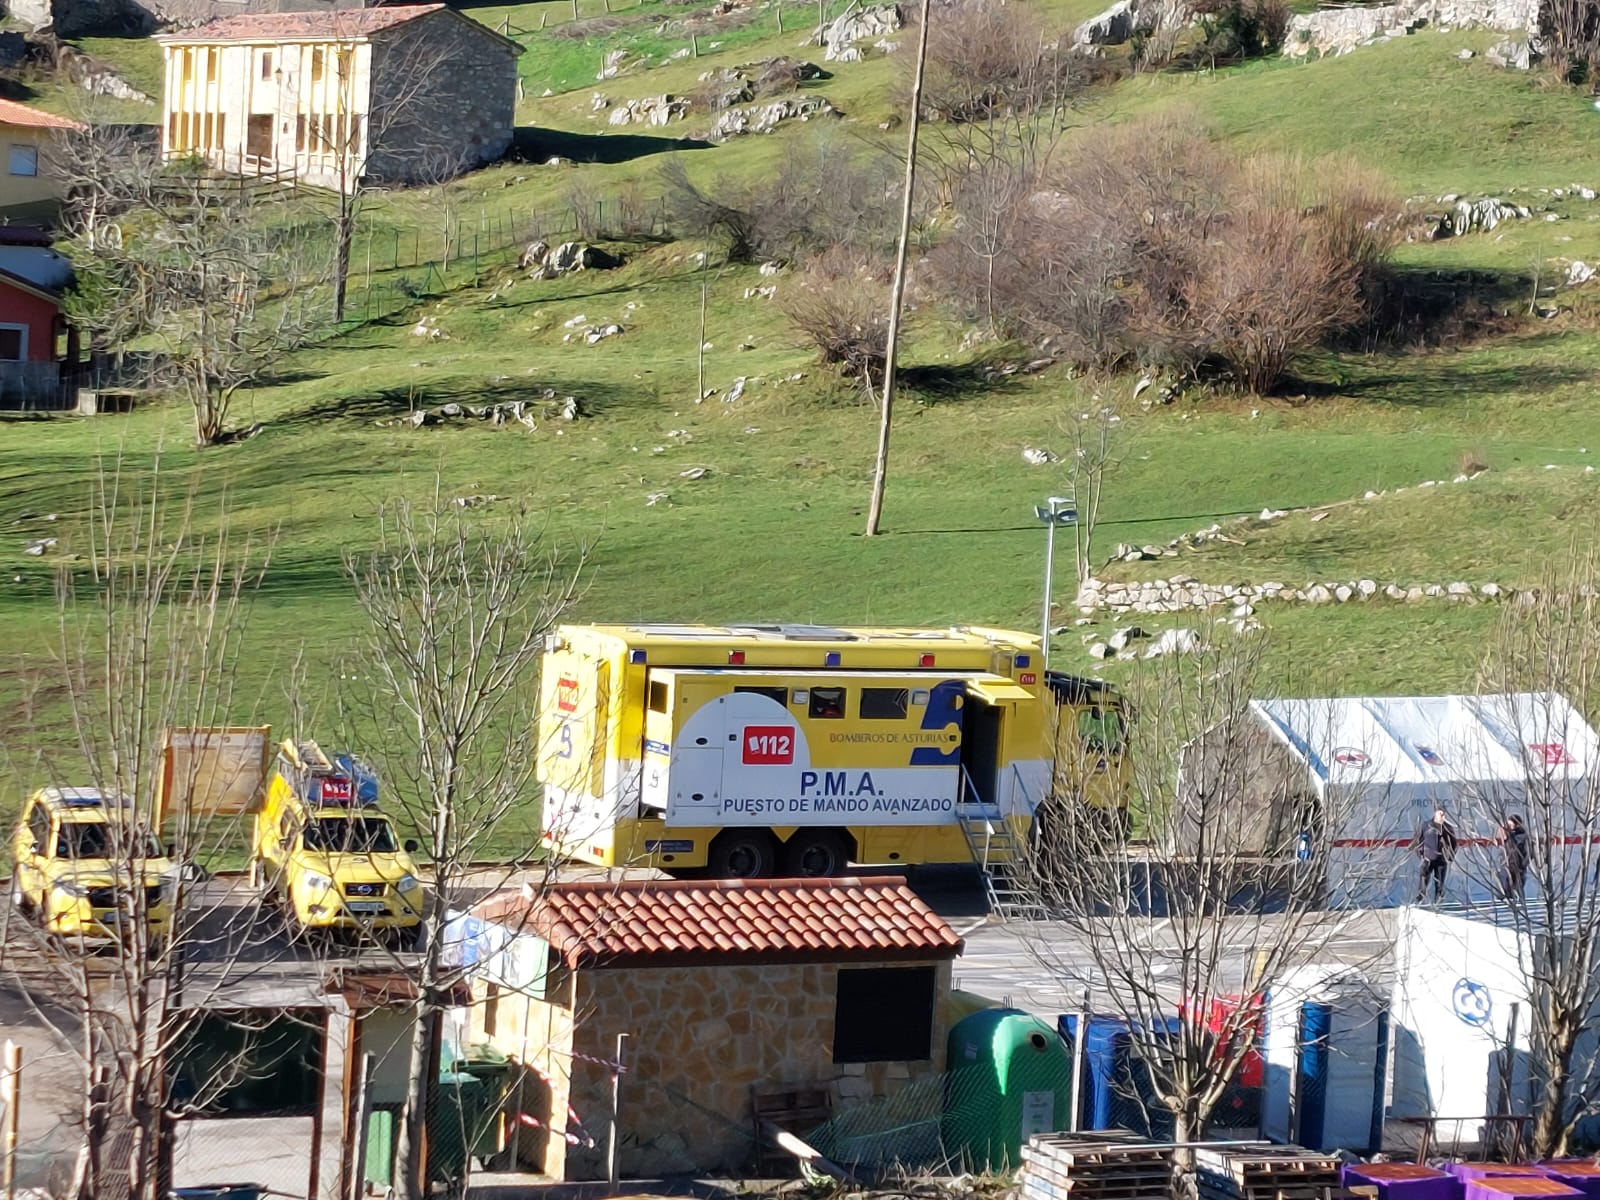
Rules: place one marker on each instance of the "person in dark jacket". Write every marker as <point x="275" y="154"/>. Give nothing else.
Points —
<point x="1514" y="865"/>
<point x="1435" y="845"/>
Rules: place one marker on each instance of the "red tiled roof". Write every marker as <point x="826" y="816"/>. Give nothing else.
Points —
<point x="645" y="923"/>
<point x="12" y="113"/>
<point x="288" y="27"/>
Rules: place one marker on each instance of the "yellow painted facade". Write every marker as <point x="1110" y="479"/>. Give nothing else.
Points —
<point x="264" y="107"/>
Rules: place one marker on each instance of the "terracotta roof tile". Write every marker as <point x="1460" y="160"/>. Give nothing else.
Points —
<point x="267" y="27"/>
<point x="12" y="113"/>
<point x="666" y="923"/>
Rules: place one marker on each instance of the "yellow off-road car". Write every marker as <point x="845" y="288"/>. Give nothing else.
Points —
<point x="86" y="871"/>
<point x="326" y="857"/>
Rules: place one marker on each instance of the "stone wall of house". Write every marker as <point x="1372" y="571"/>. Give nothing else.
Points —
<point x="700" y="1038"/>
<point x="449" y="87"/>
<point x="538" y="1035"/>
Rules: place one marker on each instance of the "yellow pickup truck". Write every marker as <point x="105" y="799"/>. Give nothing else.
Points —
<point x="326" y="857"/>
<point x="87" y="871"/>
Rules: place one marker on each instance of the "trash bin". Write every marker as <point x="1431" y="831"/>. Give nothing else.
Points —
<point x="460" y="1107"/>
<point x="493" y="1069"/>
<point x="221" y="1191"/>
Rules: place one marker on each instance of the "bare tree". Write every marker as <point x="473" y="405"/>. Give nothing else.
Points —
<point x="151" y="611"/>
<point x="457" y="607"/>
<point x="1090" y="458"/>
<point x="205" y="270"/>
<point x="1545" y="654"/>
<point x="1569" y="36"/>
<point x="837" y="303"/>
<point x="1181" y="939"/>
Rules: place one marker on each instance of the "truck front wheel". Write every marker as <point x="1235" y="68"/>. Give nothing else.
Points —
<point x="815" y="855"/>
<point x="741" y="854"/>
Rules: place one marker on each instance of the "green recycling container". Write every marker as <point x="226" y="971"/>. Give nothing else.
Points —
<point x="1009" y="1076"/>
<point x="493" y="1069"/>
<point x="461" y="1106"/>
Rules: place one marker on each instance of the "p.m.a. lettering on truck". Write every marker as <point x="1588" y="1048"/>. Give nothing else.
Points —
<point x="797" y="750"/>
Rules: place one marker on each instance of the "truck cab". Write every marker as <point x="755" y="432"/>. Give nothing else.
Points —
<point x="87" y="871"/>
<point x="326" y="857"/>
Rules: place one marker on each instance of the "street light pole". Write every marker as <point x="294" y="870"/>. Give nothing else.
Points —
<point x="1057" y="510"/>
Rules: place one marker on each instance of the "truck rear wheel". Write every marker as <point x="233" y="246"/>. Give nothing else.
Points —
<point x="742" y="854"/>
<point x="816" y="854"/>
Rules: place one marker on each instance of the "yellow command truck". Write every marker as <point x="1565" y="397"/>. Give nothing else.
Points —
<point x="744" y="751"/>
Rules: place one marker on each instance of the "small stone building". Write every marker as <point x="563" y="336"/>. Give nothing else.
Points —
<point x="725" y="989"/>
<point x="401" y="94"/>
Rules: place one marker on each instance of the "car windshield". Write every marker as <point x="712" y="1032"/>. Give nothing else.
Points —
<point x="94" y="839"/>
<point x="350" y="835"/>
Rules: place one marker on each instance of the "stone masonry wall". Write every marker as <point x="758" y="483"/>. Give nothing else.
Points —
<point x="699" y="1039"/>
<point x="444" y="99"/>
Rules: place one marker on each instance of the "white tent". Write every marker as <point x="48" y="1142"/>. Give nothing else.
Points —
<point x="1378" y="766"/>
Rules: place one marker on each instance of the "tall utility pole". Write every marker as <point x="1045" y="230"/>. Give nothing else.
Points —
<point x="880" y="474"/>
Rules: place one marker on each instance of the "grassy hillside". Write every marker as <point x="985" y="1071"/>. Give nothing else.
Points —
<point x="773" y="528"/>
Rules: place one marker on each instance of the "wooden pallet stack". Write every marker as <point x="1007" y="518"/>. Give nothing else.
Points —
<point x="1103" y="1165"/>
<point x="1265" y="1173"/>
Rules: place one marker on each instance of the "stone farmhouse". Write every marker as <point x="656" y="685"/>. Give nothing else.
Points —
<point x="398" y="95"/>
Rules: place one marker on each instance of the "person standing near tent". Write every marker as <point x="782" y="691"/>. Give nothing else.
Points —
<point x="1514" y="868"/>
<point x="1435" y="845"/>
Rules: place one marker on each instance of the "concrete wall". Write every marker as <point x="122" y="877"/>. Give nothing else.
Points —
<point x="31" y="193"/>
<point x="700" y="1038"/>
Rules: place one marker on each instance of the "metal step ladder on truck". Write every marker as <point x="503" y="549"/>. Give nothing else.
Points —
<point x="796" y="750"/>
<point x="324" y="855"/>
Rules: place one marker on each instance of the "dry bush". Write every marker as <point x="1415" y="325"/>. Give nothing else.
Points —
<point x="585" y="201"/>
<point x="1569" y="37"/>
<point x="987" y="58"/>
<point x="840" y="302"/>
<point x="827" y="194"/>
<point x="1152" y="243"/>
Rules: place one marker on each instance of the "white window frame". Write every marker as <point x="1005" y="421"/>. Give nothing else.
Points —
<point x="11" y="160"/>
<point x="23" y="351"/>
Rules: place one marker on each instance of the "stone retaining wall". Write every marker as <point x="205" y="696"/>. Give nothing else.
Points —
<point x="1184" y="593"/>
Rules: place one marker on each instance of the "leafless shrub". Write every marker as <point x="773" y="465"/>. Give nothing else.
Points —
<point x="840" y="304"/>
<point x="594" y="27"/>
<point x="632" y="214"/>
<point x="1233" y="30"/>
<point x="1569" y="34"/>
<point x="825" y="195"/>
<point x="1153" y="243"/>
<point x="583" y="198"/>
<point x="987" y="58"/>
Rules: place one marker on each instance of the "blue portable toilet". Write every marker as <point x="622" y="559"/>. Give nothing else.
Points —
<point x="1326" y="1052"/>
<point x="1117" y="1091"/>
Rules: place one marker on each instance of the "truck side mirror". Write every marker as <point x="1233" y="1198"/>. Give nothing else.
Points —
<point x="411" y="845"/>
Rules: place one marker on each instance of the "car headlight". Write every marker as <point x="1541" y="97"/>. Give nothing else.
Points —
<point x="70" y="887"/>
<point x="409" y="883"/>
<point x="313" y="882"/>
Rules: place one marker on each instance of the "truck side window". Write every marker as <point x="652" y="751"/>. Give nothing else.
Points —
<point x="884" y="704"/>
<point x="1101" y="730"/>
<point x="658" y="695"/>
<point x="827" y="703"/>
<point x="39" y="826"/>
<point x="780" y="694"/>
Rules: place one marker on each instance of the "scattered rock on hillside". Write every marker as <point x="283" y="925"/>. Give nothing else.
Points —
<point x="650" y="110"/>
<point x="602" y="332"/>
<point x="611" y="67"/>
<point x="1516" y="54"/>
<point x="1174" y="641"/>
<point x="764" y="118"/>
<point x="1116" y="25"/>
<point x="1036" y="457"/>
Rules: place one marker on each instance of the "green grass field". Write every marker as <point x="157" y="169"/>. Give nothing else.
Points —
<point x="774" y="528"/>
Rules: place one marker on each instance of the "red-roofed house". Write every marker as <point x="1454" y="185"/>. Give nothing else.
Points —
<point x="399" y="94"/>
<point x="32" y="185"/>
<point x="724" y="988"/>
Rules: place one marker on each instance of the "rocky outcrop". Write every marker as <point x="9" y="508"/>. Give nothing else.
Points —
<point x="84" y="18"/>
<point x="770" y="77"/>
<point x="858" y="25"/>
<point x="1479" y="216"/>
<point x="541" y="261"/>
<point x="649" y="110"/>
<point x="764" y="118"/>
<point x="1333" y="31"/>
<point x="1117" y="24"/>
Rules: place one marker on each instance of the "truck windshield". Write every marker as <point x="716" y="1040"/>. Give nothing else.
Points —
<point x="350" y="835"/>
<point x="95" y="839"/>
